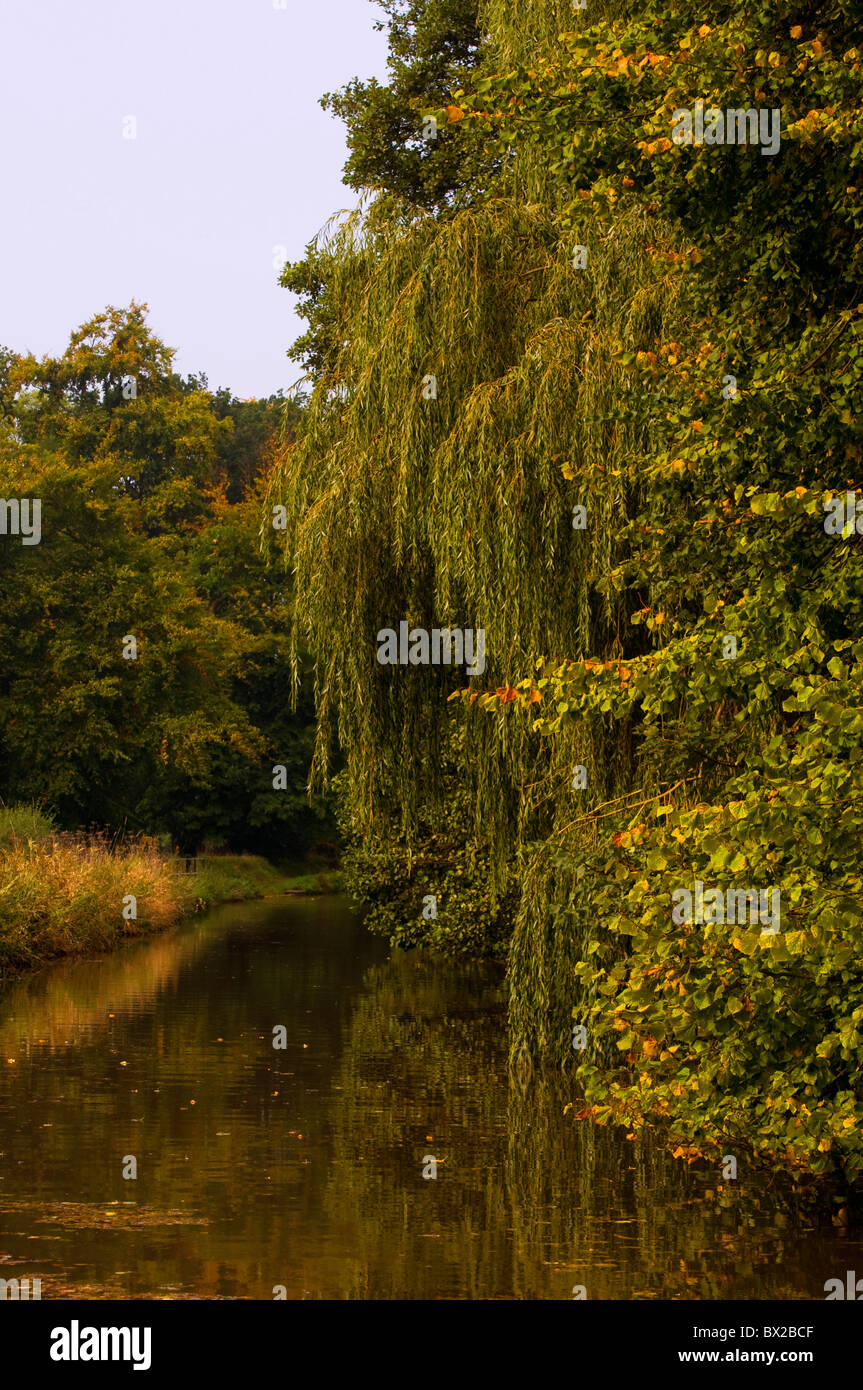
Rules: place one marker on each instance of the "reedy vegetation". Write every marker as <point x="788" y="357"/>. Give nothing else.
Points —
<point x="63" y="894"/>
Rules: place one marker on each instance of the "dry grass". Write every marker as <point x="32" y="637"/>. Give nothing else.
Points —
<point x="64" y="895"/>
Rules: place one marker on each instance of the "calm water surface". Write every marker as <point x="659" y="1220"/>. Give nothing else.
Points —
<point x="303" y="1167"/>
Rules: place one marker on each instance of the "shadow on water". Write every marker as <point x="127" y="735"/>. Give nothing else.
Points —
<point x="303" y="1167"/>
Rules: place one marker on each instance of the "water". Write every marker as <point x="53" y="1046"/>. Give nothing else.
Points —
<point x="302" y="1168"/>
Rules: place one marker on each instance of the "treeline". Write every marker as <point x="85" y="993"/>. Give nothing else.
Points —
<point x="144" y="676"/>
<point x="586" y="376"/>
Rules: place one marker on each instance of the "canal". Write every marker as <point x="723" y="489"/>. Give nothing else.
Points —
<point x="297" y="1171"/>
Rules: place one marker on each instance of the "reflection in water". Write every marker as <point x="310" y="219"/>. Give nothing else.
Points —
<point x="303" y="1167"/>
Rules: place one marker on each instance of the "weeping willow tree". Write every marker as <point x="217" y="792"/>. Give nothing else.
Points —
<point x="445" y="456"/>
<point x="469" y="462"/>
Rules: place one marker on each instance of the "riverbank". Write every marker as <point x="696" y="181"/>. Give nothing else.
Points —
<point x="62" y="896"/>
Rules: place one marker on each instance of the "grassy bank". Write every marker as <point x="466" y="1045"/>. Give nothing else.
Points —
<point x="235" y="877"/>
<point x="73" y="895"/>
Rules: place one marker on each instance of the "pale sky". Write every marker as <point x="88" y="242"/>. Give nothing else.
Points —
<point x="233" y="164"/>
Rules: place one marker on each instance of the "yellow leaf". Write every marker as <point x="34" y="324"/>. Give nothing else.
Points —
<point x="796" y="31"/>
<point x="455" y="113"/>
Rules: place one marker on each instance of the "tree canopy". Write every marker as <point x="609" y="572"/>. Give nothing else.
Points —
<point x="599" y="412"/>
<point x="150" y="494"/>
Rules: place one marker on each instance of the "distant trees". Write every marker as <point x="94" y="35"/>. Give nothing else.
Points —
<point x="150" y="492"/>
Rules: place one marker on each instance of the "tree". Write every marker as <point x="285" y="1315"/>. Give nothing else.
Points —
<point x="749" y="707"/>
<point x="142" y="680"/>
<point x="671" y="343"/>
<point x="434" y="47"/>
<point x="113" y="395"/>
